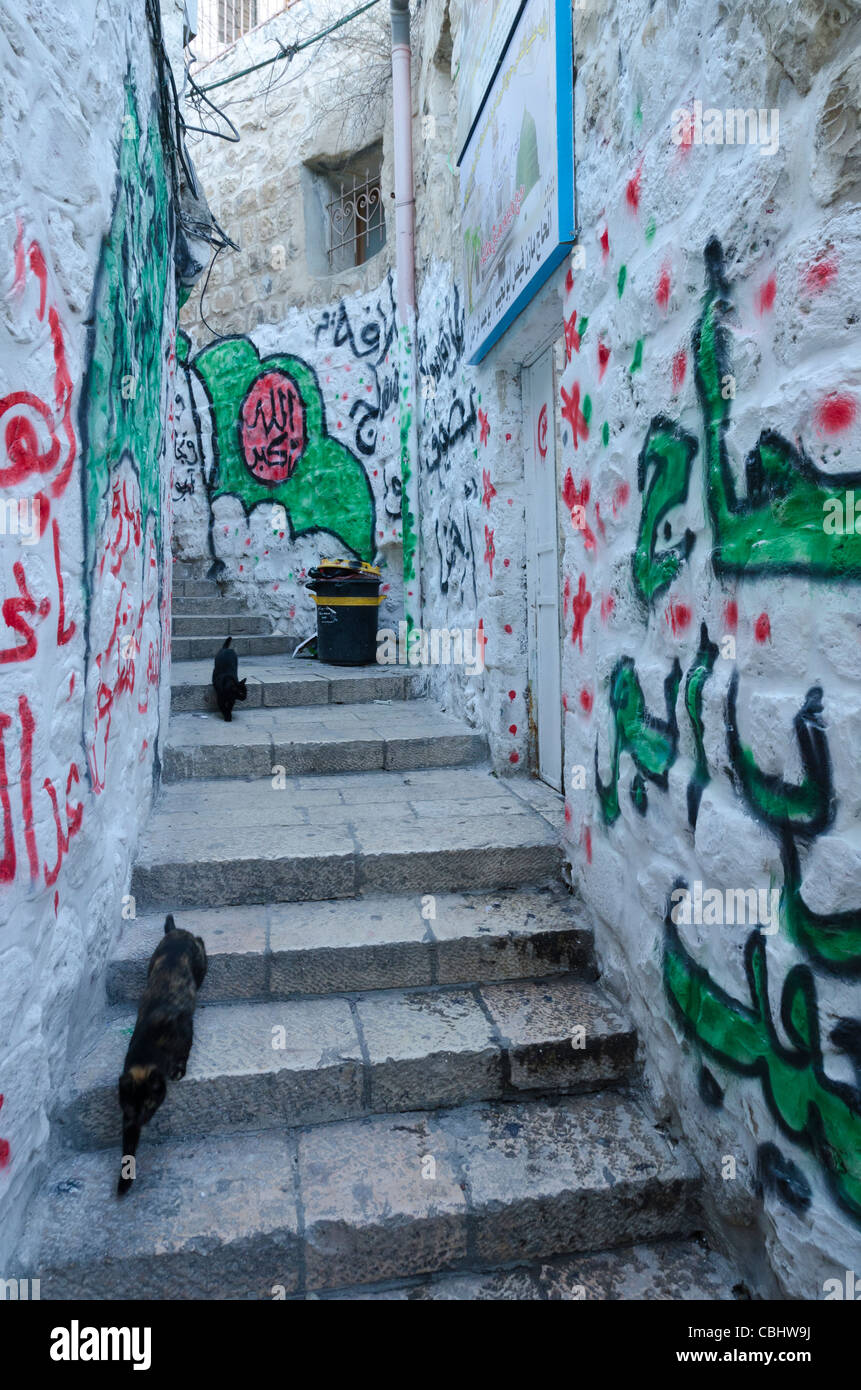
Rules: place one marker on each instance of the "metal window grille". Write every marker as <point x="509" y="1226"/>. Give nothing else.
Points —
<point x="221" y="23"/>
<point x="355" y="220"/>
<point x="235" y="18"/>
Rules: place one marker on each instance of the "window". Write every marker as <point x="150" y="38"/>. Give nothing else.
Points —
<point x="235" y="18"/>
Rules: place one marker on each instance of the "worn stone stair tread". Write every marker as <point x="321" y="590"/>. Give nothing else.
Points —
<point x="260" y="644"/>
<point x="354" y="1202"/>
<point x="337" y="738"/>
<point x="372" y="1052"/>
<point x="380" y="942"/>
<point x="283" y="681"/>
<point x="662" y="1271"/>
<point x="212" y="843"/>
<point x="220" y="625"/>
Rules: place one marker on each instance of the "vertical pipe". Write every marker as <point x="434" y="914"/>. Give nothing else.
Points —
<point x="402" y="115"/>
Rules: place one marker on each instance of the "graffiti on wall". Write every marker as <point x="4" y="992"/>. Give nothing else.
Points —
<point x="774" y="528"/>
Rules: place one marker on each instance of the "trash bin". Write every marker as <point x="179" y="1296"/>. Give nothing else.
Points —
<point x="348" y="599"/>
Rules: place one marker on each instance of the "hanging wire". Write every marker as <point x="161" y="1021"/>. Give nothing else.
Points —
<point x="292" y="50"/>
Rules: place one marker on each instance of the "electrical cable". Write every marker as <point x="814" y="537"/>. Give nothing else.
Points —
<point x="291" y="50"/>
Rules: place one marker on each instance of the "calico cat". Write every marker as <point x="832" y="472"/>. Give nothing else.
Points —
<point x="225" y="678"/>
<point x="163" y="1033"/>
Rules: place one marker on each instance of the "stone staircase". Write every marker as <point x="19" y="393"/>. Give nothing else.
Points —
<point x="384" y="1098"/>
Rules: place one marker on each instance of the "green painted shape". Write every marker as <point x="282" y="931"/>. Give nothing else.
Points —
<point x="121" y="400"/>
<point x="605" y="433"/>
<point x="620" y="283"/>
<point x="328" y="491"/>
<point x="821" y="1115"/>
<point x="637" y="360"/>
<point x="581" y="328"/>
<point x="651" y="742"/>
<point x="777" y="527"/>
<point x="650" y="229"/>
<point x="663" y="476"/>
<point x="699" y="673"/>
<point x="587" y="408"/>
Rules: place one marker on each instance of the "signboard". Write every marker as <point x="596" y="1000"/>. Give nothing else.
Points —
<point x="517" y="175"/>
<point x="487" y="25"/>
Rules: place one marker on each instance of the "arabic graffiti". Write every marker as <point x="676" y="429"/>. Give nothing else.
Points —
<point x="272" y="444"/>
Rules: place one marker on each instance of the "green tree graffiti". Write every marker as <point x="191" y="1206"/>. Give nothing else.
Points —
<point x="121" y="400"/>
<point x="273" y="445"/>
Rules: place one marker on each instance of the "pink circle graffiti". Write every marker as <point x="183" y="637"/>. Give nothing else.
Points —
<point x="542" y="431"/>
<point x="272" y="431"/>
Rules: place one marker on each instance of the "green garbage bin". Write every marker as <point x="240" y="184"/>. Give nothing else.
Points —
<point x="348" y="603"/>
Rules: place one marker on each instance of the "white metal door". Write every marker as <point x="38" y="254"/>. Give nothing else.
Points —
<point x="545" y="657"/>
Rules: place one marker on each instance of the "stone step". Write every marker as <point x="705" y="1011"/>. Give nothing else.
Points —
<point x="235" y="624"/>
<point x="185" y="571"/>
<point x="303" y="742"/>
<point x="677" y="1271"/>
<point x="290" y="950"/>
<point x="314" y="1061"/>
<point x="204" y="648"/>
<point x="194" y="588"/>
<point x="366" y="1201"/>
<point x="213" y="843"/>
<point x="284" y="681"/>
<point x="209" y="604"/>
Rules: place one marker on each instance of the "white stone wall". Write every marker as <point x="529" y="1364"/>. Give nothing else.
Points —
<point x="331" y="101"/>
<point x="765" y="1086"/>
<point x="87" y="314"/>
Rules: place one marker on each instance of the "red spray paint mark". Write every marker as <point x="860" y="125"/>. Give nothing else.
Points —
<point x="568" y="814"/>
<point x="28" y="726"/>
<point x="4" y="1146"/>
<point x="489" y="549"/>
<point x="605" y="242"/>
<point x="632" y="192"/>
<point x="730" y="616"/>
<point x="835" y="413"/>
<point x="678" y="615"/>
<point x="273" y="434"/>
<point x="608" y="603"/>
<point x="512" y="694"/>
<point x="765" y="296"/>
<point x="680" y="368"/>
<point x="7" y="864"/>
<point x="573" y="414"/>
<point x="587" y="841"/>
<point x="514" y="757"/>
<point x="64" y="634"/>
<point x="581" y="602"/>
<point x="569" y="281"/>
<point x="819" y="276"/>
<point x="489" y="490"/>
<point x="601" y="527"/>
<point x="603" y="359"/>
<point x="620" y="496"/>
<point x="577" y="501"/>
<point x="566" y="598"/>
<point x="662" y="293"/>
<point x="509" y="629"/>
<point x="586" y="700"/>
<point x="512" y="728"/>
<point x="56" y="901"/>
<point x="572" y="337"/>
<point x="762" y="628"/>
<point x="484" y="425"/>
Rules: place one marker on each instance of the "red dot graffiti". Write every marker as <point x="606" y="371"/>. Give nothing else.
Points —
<point x="586" y="700"/>
<point x="819" y="275"/>
<point x="483" y="425"/>
<point x="632" y="191"/>
<point x="680" y="368"/>
<point x="662" y="293"/>
<point x="577" y="500"/>
<point x="762" y="628"/>
<point x="489" y="549"/>
<point x="765" y="296"/>
<point x="272" y="427"/>
<point x="605" y="243"/>
<point x="730" y="616"/>
<point x="835" y="413"/>
<point x="678" y="615"/>
<point x="572" y="337"/>
<point x="603" y="359"/>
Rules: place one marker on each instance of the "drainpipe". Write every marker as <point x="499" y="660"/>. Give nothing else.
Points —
<point x="402" y="115"/>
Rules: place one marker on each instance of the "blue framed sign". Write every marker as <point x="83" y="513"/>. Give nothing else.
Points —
<point x="517" y="175"/>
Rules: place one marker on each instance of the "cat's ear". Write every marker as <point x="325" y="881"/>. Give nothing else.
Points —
<point x="169" y="923"/>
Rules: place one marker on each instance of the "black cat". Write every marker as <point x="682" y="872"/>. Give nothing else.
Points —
<point x="163" y="1034"/>
<point x="225" y="679"/>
